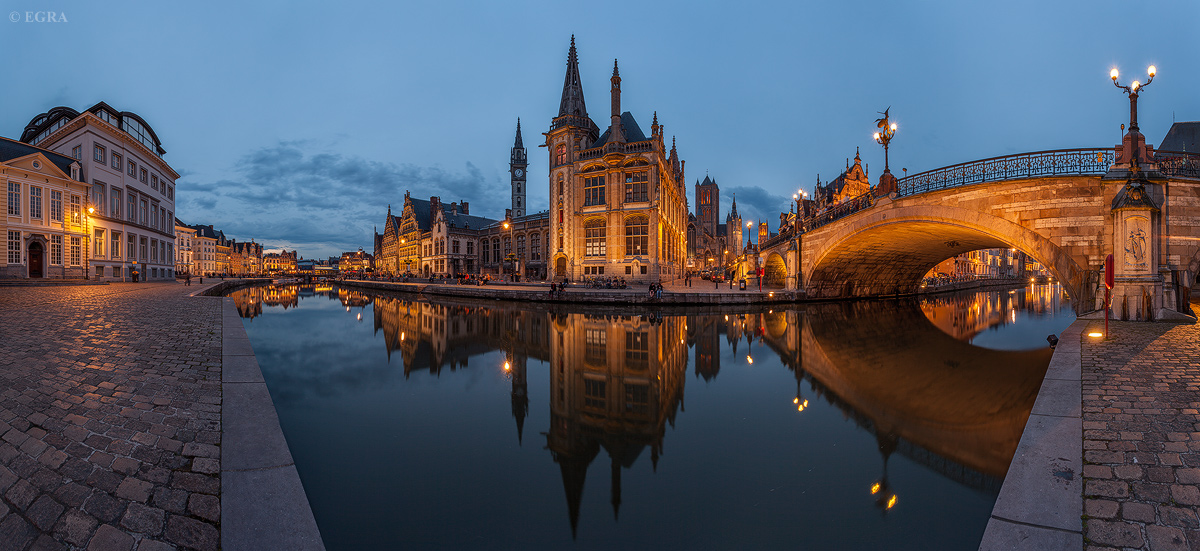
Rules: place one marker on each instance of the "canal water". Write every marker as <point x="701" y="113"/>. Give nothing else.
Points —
<point x="455" y="424"/>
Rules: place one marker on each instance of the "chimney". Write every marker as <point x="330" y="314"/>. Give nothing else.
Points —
<point x="464" y="208"/>
<point x="508" y="214"/>
<point x="454" y="209"/>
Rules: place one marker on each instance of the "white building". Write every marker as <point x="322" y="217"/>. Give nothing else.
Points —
<point x="184" y="258"/>
<point x="132" y="189"/>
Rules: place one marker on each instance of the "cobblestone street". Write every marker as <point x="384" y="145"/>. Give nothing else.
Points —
<point x="1141" y="431"/>
<point x="110" y="418"/>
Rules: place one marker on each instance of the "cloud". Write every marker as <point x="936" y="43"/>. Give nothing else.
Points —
<point x="756" y="204"/>
<point x="324" y="200"/>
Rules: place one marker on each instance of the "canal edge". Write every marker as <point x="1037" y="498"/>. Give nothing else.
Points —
<point x="1040" y="505"/>
<point x="263" y="502"/>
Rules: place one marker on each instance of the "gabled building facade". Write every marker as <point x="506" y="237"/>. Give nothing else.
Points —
<point x="44" y="226"/>
<point x="617" y="200"/>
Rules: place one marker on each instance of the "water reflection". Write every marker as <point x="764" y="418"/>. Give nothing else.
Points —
<point x="965" y="315"/>
<point x="615" y="378"/>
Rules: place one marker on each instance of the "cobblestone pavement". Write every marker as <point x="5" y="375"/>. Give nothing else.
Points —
<point x="1141" y="436"/>
<point x="110" y="418"/>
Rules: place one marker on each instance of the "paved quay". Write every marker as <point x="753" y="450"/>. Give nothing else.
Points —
<point x="112" y="421"/>
<point x="1141" y="436"/>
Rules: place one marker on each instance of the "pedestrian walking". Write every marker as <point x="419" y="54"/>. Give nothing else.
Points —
<point x="187" y="280"/>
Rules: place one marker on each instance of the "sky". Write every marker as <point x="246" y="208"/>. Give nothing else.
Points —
<point x="298" y="123"/>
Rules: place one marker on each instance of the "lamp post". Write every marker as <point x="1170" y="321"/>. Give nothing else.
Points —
<point x="884" y="137"/>
<point x="87" y="240"/>
<point x="1133" y="90"/>
<point x="797" y="226"/>
<point x="509" y="254"/>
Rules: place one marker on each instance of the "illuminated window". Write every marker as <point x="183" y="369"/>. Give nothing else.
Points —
<point x="56" y="207"/>
<point x="595" y="344"/>
<point x="56" y="250"/>
<point x="35" y="202"/>
<point x="636" y="236"/>
<point x="14" y="199"/>
<point x="594" y="393"/>
<point x="76" y="251"/>
<point x="595" y="244"/>
<point x="14" y="247"/>
<point x="560" y="155"/>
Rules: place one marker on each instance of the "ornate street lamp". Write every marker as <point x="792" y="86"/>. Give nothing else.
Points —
<point x="1133" y="90"/>
<point x="87" y="243"/>
<point x="885" y="136"/>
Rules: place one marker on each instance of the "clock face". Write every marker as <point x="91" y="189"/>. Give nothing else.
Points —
<point x="518" y="173"/>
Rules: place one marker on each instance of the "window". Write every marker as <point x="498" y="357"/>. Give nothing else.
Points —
<point x="595" y="343"/>
<point x="636" y="187"/>
<point x="56" y="211"/>
<point x="171" y="192"/>
<point x="496" y="249"/>
<point x="507" y="246"/>
<point x="143" y="254"/>
<point x="116" y="161"/>
<point x="593" y="191"/>
<point x="132" y="169"/>
<point x="130" y="248"/>
<point x="142" y="214"/>
<point x="471" y="248"/>
<point x="98" y="153"/>
<point x="636" y="235"/>
<point x="593" y="393"/>
<point x="637" y="398"/>
<point x="115" y="245"/>
<point x="535" y="245"/>
<point x="454" y="247"/>
<point x="98" y="244"/>
<point x="143" y="175"/>
<point x="76" y="251"/>
<point x="14" y="199"/>
<point x="162" y="251"/>
<point x="114" y="207"/>
<point x="520" y="246"/>
<point x="14" y="247"/>
<point x="560" y="155"/>
<point x="35" y="202"/>
<point x="56" y="250"/>
<point x="643" y="270"/>
<point x="170" y="252"/>
<point x="594" y="238"/>
<point x="76" y="209"/>
<point x="76" y="152"/>
<point x="98" y="197"/>
<point x="637" y="349"/>
<point x="153" y="215"/>
<point x="154" y="182"/>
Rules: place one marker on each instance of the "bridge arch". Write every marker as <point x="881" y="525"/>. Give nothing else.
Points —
<point x="887" y="251"/>
<point x="775" y="270"/>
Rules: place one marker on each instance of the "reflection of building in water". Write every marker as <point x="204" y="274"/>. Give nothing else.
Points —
<point x="615" y="381"/>
<point x="966" y="315"/>
<point x="250" y="300"/>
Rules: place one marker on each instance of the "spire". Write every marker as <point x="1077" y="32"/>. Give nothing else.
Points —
<point x="617" y="132"/>
<point x="654" y="127"/>
<point x="572" y="96"/>
<point x="518" y="144"/>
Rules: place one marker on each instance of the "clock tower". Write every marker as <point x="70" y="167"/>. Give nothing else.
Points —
<point x="516" y="167"/>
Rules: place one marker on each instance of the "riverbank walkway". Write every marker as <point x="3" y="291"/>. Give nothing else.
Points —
<point x="118" y="414"/>
<point x="1141" y="436"/>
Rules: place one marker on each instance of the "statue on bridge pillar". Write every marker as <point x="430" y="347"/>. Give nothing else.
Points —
<point x="1139" y="291"/>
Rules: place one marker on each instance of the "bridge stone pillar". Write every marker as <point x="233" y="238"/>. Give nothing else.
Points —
<point x="792" y="262"/>
<point x="1138" y="292"/>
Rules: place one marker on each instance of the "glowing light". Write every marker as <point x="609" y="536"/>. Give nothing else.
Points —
<point x="1150" y="71"/>
<point x="91" y="210"/>
<point x="726" y="317"/>
<point x="1114" y="73"/>
<point x="749" y="360"/>
<point x="795" y="400"/>
<point x="771" y="294"/>
<point x="1095" y="334"/>
<point x="875" y="488"/>
<point x="360" y="317"/>
<point x="1135" y="85"/>
<point x="401" y="335"/>
<point x="891" y="502"/>
<point x="893" y="127"/>
<point x="876" y="136"/>
<point x="507" y="366"/>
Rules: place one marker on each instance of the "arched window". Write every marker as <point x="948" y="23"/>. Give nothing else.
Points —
<point x="496" y="250"/>
<point x="484" y="250"/>
<point x="520" y="247"/>
<point x="594" y="242"/>
<point x="560" y="155"/>
<point x="637" y="230"/>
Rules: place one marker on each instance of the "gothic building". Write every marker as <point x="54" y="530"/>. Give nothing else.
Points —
<point x="711" y="244"/>
<point x="851" y="183"/>
<point x="617" y="201"/>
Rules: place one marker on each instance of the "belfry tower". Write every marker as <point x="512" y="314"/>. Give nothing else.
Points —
<point x="516" y="167"/>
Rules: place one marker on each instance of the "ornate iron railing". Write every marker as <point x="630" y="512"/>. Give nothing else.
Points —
<point x="1008" y="167"/>
<point x="841" y="210"/>
<point x="1179" y="164"/>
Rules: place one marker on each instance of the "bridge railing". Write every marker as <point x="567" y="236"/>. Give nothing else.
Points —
<point x="1179" y="164"/>
<point x="1008" y="167"/>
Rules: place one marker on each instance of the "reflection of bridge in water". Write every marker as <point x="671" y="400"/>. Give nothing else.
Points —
<point x="617" y="376"/>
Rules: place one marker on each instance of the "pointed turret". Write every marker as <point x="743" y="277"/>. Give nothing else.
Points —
<point x="617" y="132"/>
<point x="518" y="145"/>
<point x="572" y="95"/>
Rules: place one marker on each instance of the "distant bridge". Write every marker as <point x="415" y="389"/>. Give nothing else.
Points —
<point x="1065" y="208"/>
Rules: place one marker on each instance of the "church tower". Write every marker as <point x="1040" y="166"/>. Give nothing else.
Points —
<point x="571" y="131"/>
<point x="516" y="167"/>
<point x="733" y="229"/>
<point x="708" y="203"/>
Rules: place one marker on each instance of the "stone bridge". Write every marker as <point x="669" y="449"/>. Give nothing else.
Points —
<point x="1067" y="209"/>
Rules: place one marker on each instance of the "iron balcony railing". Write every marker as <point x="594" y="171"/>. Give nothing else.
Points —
<point x="1009" y="167"/>
<point x="1178" y="164"/>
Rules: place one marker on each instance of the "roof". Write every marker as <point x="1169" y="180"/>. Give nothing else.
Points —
<point x="633" y="133"/>
<point x="1183" y="136"/>
<point x="12" y="149"/>
<point x="421" y="212"/>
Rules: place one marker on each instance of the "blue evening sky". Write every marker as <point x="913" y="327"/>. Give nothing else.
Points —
<point x="297" y="123"/>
